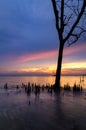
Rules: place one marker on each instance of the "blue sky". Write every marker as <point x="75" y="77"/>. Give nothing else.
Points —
<point x="27" y="29"/>
<point x="26" y="26"/>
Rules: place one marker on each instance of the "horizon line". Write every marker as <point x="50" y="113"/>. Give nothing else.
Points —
<point x="4" y="75"/>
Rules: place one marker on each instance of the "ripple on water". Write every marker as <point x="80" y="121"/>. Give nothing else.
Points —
<point x="44" y="111"/>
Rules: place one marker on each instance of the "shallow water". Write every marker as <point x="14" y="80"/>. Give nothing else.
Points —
<point x="17" y="80"/>
<point x="64" y="111"/>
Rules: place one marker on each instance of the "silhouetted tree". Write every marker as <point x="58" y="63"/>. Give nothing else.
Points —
<point x="70" y="25"/>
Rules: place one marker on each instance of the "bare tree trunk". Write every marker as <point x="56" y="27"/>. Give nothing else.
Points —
<point x="63" y="21"/>
<point x="59" y="64"/>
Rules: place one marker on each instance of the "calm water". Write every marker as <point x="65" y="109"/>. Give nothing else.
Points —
<point x="45" y="111"/>
<point x="17" y="80"/>
<point x="64" y="111"/>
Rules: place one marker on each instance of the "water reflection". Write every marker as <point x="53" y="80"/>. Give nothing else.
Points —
<point x="29" y="111"/>
<point x="42" y="80"/>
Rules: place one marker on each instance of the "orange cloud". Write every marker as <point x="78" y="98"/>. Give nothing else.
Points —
<point x="74" y="71"/>
<point x="76" y="48"/>
<point x="67" y="68"/>
<point x="48" y="70"/>
<point x="37" y="56"/>
<point x="50" y="54"/>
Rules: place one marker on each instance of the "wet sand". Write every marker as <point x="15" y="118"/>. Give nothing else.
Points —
<point x="46" y="111"/>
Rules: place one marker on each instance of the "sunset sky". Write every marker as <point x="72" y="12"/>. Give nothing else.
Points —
<point x="29" y="42"/>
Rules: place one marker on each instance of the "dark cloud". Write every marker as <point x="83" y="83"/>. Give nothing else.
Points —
<point x="26" y="26"/>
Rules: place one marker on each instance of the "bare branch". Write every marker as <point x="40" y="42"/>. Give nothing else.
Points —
<point x="56" y="16"/>
<point x="62" y="16"/>
<point x="76" y="36"/>
<point x="77" y="21"/>
<point x="67" y="19"/>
